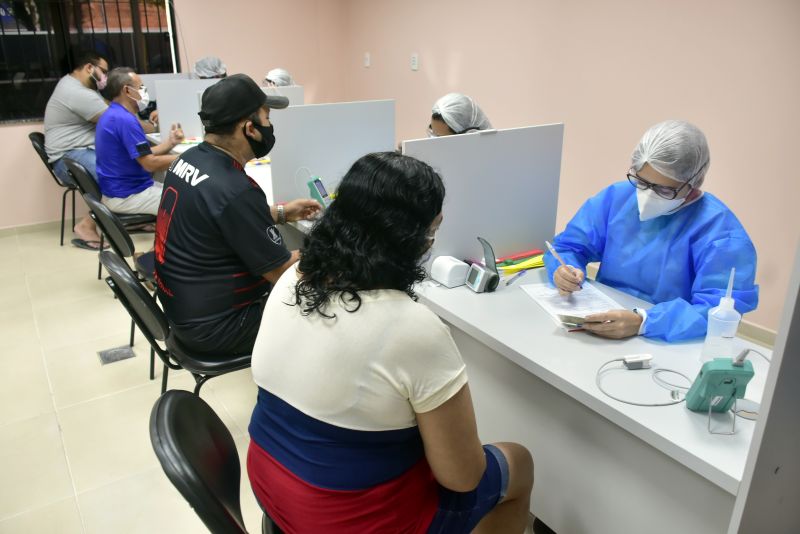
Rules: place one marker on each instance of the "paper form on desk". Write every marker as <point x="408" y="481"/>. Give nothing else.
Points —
<point x="587" y="301"/>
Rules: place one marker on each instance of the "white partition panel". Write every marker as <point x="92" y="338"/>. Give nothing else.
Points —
<point x="295" y="93"/>
<point x="150" y="80"/>
<point x="502" y="185"/>
<point x="325" y="140"/>
<point x="178" y="103"/>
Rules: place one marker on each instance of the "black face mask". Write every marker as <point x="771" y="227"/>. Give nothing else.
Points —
<point x="261" y="148"/>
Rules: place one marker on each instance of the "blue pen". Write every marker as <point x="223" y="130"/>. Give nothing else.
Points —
<point x="514" y="278"/>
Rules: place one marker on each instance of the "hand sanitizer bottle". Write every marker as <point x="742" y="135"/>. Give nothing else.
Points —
<point x="723" y="322"/>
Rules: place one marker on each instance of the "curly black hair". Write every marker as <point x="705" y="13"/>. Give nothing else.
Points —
<point x="373" y="235"/>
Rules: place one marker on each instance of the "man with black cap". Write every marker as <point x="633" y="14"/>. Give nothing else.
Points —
<point x="218" y="251"/>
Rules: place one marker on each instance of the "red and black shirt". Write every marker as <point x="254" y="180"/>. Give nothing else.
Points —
<point x="215" y="238"/>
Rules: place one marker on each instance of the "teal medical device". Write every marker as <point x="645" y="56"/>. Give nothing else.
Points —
<point x="318" y="192"/>
<point x="719" y="383"/>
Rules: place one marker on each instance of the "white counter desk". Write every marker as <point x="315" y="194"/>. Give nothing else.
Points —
<point x="155" y="139"/>
<point x="633" y="469"/>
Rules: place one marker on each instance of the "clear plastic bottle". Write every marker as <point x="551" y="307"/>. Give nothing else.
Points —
<point x="723" y="322"/>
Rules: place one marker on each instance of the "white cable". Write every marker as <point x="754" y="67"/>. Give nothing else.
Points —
<point x="760" y="354"/>
<point x="598" y="382"/>
<point x="302" y="192"/>
<point x="669" y="385"/>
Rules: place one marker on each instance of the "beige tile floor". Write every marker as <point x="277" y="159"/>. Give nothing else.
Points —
<point x="75" y="454"/>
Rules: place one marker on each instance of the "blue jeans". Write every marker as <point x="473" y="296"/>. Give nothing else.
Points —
<point x="84" y="156"/>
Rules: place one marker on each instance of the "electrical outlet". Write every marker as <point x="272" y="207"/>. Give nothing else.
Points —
<point x="367" y="60"/>
<point x="414" y="61"/>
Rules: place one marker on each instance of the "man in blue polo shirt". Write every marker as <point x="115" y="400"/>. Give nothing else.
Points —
<point x="125" y="159"/>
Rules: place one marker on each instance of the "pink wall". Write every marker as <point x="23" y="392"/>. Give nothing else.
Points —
<point x="608" y="70"/>
<point x="29" y="195"/>
<point x="253" y="36"/>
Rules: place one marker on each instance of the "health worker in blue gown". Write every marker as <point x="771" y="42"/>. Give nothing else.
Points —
<point x="660" y="237"/>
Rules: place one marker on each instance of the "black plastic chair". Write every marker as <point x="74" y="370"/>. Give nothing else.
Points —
<point x="88" y="186"/>
<point x="121" y="243"/>
<point x="198" y="455"/>
<point x="37" y="140"/>
<point x="154" y="326"/>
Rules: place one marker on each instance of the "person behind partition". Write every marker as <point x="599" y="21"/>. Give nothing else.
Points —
<point x="210" y="67"/>
<point x="659" y="237"/>
<point x="364" y="420"/>
<point x="125" y="160"/>
<point x="278" y="78"/>
<point x="454" y="114"/>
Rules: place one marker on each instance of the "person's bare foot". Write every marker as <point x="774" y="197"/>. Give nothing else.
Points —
<point x="87" y="230"/>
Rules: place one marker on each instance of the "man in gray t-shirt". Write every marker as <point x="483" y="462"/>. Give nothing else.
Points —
<point x="69" y="126"/>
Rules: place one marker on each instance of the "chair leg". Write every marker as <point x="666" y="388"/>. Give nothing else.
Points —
<point x="63" y="213"/>
<point x="133" y="331"/>
<point x="164" y="379"/>
<point x="268" y="526"/>
<point x="200" y="380"/>
<point x="152" y="364"/>
<point x="100" y="265"/>
<point x="73" y="210"/>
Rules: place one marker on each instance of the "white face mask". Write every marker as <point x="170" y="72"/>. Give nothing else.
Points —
<point x="144" y="99"/>
<point x="652" y="205"/>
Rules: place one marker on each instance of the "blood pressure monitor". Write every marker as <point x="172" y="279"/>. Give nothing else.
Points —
<point x="484" y="279"/>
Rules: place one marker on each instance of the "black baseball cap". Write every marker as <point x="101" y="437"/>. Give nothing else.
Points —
<point x="234" y="98"/>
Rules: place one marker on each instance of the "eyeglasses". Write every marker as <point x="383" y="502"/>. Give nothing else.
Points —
<point x="104" y="71"/>
<point x="663" y="191"/>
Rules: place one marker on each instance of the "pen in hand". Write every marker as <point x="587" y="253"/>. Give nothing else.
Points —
<point x="557" y="256"/>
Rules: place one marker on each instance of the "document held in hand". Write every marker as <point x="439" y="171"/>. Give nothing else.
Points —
<point x="570" y="311"/>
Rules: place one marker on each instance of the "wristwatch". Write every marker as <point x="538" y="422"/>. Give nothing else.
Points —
<point x="281" y="214"/>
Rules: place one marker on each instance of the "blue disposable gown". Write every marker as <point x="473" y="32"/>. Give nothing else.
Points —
<point x="680" y="262"/>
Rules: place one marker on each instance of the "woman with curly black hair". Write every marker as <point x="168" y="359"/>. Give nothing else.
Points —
<point x="364" y="420"/>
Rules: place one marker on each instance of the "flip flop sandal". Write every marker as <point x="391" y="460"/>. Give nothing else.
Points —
<point x="87" y="245"/>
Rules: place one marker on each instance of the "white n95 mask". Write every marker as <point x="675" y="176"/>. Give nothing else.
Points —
<point x="144" y="101"/>
<point x="652" y="205"/>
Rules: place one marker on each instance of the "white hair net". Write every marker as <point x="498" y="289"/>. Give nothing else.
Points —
<point x="676" y="149"/>
<point x="280" y="77"/>
<point x="461" y="113"/>
<point x="210" y="67"/>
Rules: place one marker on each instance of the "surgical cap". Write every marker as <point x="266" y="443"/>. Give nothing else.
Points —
<point x="210" y="67"/>
<point x="461" y="113"/>
<point x="279" y="77"/>
<point x="676" y="149"/>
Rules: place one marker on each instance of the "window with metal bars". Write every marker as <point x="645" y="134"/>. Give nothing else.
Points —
<point x="41" y="39"/>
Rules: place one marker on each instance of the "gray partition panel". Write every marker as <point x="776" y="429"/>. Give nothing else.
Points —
<point x="178" y="103"/>
<point x="150" y="80"/>
<point x="295" y="93"/>
<point x="770" y="489"/>
<point x="325" y="140"/>
<point x="501" y="185"/>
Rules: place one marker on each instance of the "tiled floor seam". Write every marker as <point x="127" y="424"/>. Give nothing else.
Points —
<point x="58" y="420"/>
<point x="104" y="396"/>
<point x="29" y="510"/>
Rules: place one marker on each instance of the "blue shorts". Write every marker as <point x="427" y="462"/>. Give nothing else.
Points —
<point x="460" y="512"/>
